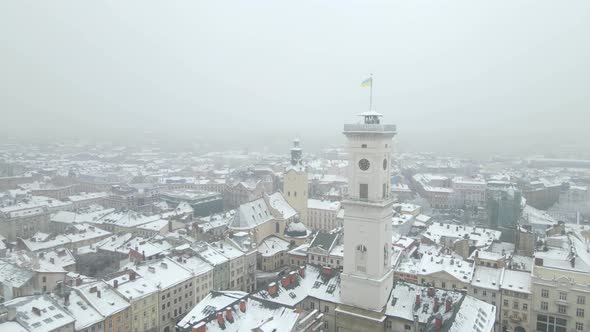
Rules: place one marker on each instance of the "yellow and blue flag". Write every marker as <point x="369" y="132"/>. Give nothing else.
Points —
<point x="367" y="83"/>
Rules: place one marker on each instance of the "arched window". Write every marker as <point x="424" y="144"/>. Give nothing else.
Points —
<point x="361" y="258"/>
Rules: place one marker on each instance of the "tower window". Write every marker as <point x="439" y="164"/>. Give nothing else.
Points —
<point x="364" y="146"/>
<point x="289" y="193"/>
<point x="363" y="191"/>
<point x="295" y="193"/>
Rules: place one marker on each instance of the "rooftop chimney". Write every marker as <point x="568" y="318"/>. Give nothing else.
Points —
<point x="220" y="320"/>
<point x="436" y="305"/>
<point x="228" y="315"/>
<point x="285" y="281"/>
<point x="272" y="288"/>
<point x="448" y="304"/>
<point x="431" y="291"/>
<point x="98" y="293"/>
<point x="131" y="275"/>
<point x="438" y="322"/>
<point x="302" y="271"/>
<point x="243" y="305"/>
<point x="67" y="298"/>
<point x="115" y="283"/>
<point x="36" y="311"/>
<point x="417" y="300"/>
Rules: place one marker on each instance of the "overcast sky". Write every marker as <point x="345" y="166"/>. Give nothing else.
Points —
<point x="455" y="76"/>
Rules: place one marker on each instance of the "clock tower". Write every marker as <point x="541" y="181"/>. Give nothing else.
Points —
<point x="367" y="277"/>
<point x="295" y="182"/>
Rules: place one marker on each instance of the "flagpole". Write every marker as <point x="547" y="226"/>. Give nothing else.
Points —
<point x="371" y="94"/>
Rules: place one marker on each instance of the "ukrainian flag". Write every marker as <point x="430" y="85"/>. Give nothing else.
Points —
<point x="367" y="83"/>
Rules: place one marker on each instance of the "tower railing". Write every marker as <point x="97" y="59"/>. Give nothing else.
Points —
<point x="362" y="127"/>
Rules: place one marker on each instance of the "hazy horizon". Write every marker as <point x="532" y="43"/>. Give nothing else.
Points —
<point x="461" y="77"/>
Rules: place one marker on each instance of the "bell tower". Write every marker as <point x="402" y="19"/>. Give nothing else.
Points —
<point x="367" y="277"/>
<point x="295" y="183"/>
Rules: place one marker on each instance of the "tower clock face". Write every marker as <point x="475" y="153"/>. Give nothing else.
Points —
<point x="384" y="164"/>
<point x="364" y="164"/>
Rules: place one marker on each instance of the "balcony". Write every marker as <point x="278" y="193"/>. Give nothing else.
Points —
<point x="369" y="128"/>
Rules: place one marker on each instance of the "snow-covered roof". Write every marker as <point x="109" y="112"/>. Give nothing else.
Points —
<point x="163" y="273"/>
<point x="272" y="245"/>
<point x="474" y="315"/>
<point x="517" y="281"/>
<point x="84" y="313"/>
<point x="478" y="236"/>
<point x="39" y="313"/>
<point x="102" y="298"/>
<point x="487" y="277"/>
<point x="402" y="302"/>
<point x="323" y="205"/>
<point x="314" y="284"/>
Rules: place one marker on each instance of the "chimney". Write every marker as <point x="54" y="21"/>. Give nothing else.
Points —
<point x="438" y="322"/>
<point x="417" y="300"/>
<point x="327" y="271"/>
<point x="220" y="320"/>
<point x="98" y="293"/>
<point x="243" y="305"/>
<point x="436" y="305"/>
<point x="431" y="291"/>
<point x="201" y="327"/>
<point x="67" y="298"/>
<point x="36" y="311"/>
<point x="477" y="254"/>
<point x="131" y="275"/>
<point x="448" y="304"/>
<point x="169" y="225"/>
<point x="285" y="281"/>
<point x="78" y="281"/>
<point x="272" y="288"/>
<point x="93" y="289"/>
<point x="115" y="283"/>
<point x="228" y="315"/>
<point x="302" y="271"/>
<point x="293" y="276"/>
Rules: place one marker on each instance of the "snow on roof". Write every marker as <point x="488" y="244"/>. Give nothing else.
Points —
<point x="163" y="273"/>
<point x="487" y="277"/>
<point x="102" y="297"/>
<point x="478" y="236"/>
<point x="209" y="253"/>
<point x="474" y="315"/>
<point x="250" y="215"/>
<point x="215" y="301"/>
<point x="272" y="245"/>
<point x="12" y="327"/>
<point x="132" y="289"/>
<point x="14" y="275"/>
<point x="402" y="302"/>
<point x="517" y="281"/>
<point x="84" y="313"/>
<point x="296" y="229"/>
<point x="195" y="264"/>
<point x="454" y="266"/>
<point x="314" y="284"/>
<point x="39" y="313"/>
<point x="86" y="196"/>
<point x="323" y="205"/>
<point x="81" y="232"/>
<point x="538" y="217"/>
<point x="278" y="202"/>
<point x="300" y="250"/>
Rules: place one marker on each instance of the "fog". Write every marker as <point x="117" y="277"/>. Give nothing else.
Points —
<point x="461" y="77"/>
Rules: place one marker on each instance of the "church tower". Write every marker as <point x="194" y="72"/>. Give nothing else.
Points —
<point x="367" y="277"/>
<point x="295" y="185"/>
